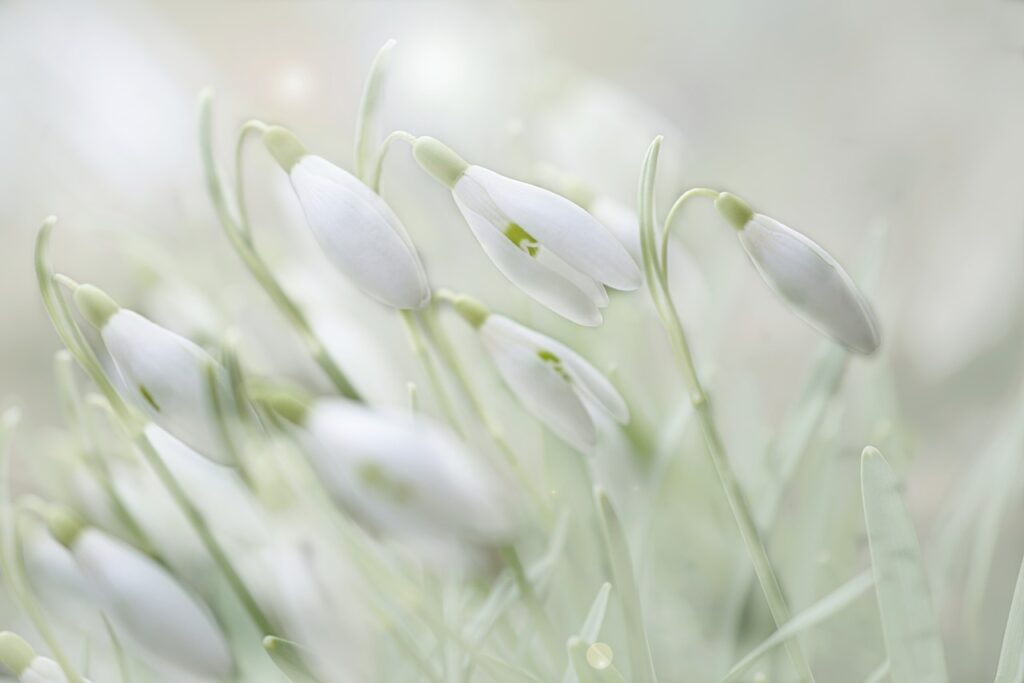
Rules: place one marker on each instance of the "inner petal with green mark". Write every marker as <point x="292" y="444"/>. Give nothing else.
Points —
<point x="149" y="397"/>
<point x="555" y="362"/>
<point x="377" y="479"/>
<point x="522" y="239"/>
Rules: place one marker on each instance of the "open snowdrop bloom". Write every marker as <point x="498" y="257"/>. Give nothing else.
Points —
<point x="552" y="381"/>
<point x="355" y="227"/>
<point x="146" y="604"/>
<point x="546" y="245"/>
<point x="805" y="275"/>
<point x="164" y="374"/>
<point x="18" y="656"/>
<point x="401" y="474"/>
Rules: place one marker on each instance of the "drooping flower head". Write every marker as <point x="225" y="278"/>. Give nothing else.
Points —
<point x="402" y="474"/>
<point x="164" y="374"/>
<point x="146" y="604"/>
<point x="355" y="227"/>
<point x="805" y="276"/>
<point x="546" y="245"/>
<point x="553" y="382"/>
<point x="18" y="656"/>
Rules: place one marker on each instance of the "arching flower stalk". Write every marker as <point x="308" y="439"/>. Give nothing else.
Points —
<point x="146" y="603"/>
<point x="554" y="383"/>
<point x="543" y="243"/>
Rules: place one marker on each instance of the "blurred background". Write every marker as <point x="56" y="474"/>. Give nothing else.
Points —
<point x="896" y="123"/>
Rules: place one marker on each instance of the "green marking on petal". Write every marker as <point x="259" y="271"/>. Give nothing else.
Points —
<point x="555" y="362"/>
<point x="376" y="478"/>
<point x="149" y="397"/>
<point x="522" y="239"/>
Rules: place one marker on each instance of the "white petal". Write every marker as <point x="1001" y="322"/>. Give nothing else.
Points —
<point x="44" y="670"/>
<point x="545" y="393"/>
<point x="150" y="607"/>
<point x="360" y="233"/>
<point x="164" y="375"/>
<point x="595" y="290"/>
<point x="405" y="474"/>
<point x="812" y="282"/>
<point x="621" y="220"/>
<point x="565" y="228"/>
<point x="593" y="386"/>
<point x="526" y="272"/>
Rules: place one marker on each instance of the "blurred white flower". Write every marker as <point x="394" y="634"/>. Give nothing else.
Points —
<point x="355" y="227"/>
<point x="805" y="275"/>
<point x="146" y="604"/>
<point x="19" y="657"/>
<point x="545" y="244"/>
<point x="402" y="474"/>
<point x="164" y="374"/>
<point x="553" y="382"/>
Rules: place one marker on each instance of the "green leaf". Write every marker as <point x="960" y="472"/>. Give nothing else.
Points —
<point x="908" y="621"/>
<point x="825" y="608"/>
<point x="1011" y="659"/>
<point x="369" y="106"/>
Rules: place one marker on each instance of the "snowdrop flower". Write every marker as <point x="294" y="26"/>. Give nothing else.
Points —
<point x="547" y="246"/>
<point x="402" y="474"/>
<point x="552" y="381"/>
<point x="147" y="605"/>
<point x="163" y="373"/>
<point x="805" y="275"/>
<point x="18" y="656"/>
<point x="355" y="227"/>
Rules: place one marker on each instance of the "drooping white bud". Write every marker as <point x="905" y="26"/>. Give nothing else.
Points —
<point x="354" y="226"/>
<point x="546" y="245"/>
<point x="18" y="656"/>
<point x="805" y="276"/>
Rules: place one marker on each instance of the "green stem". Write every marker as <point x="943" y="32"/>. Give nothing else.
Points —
<point x="242" y="242"/>
<point x="671" y="217"/>
<point x="368" y="106"/>
<point x="422" y="353"/>
<point x="378" y="163"/>
<point x="657" y="282"/>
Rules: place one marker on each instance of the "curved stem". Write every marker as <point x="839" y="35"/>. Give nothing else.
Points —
<point x="368" y="105"/>
<point x="671" y="217"/>
<point x="378" y="163"/>
<point x="251" y="126"/>
<point x="657" y="282"/>
<point x="419" y="347"/>
<point x="254" y="262"/>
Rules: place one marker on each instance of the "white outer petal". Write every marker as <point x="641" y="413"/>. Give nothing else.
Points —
<point x="563" y="227"/>
<point x="173" y="371"/>
<point x="150" y="607"/>
<point x="812" y="282"/>
<point x="592" y="386"/>
<point x="538" y="386"/>
<point x="360" y="233"/>
<point x="449" y="493"/>
<point x="622" y="222"/>
<point x="44" y="670"/>
<point x="547" y="286"/>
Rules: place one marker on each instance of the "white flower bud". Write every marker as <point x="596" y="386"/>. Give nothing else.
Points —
<point x="354" y="226"/>
<point x="146" y="604"/>
<point x="400" y="473"/>
<point x="553" y="382"/>
<point x="17" y="655"/>
<point x="164" y="374"/>
<point x="805" y="275"/>
<point x="546" y="245"/>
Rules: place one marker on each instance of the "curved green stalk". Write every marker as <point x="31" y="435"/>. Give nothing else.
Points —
<point x="242" y="242"/>
<point x="382" y="151"/>
<point x="369" y="104"/>
<point x="657" y="282"/>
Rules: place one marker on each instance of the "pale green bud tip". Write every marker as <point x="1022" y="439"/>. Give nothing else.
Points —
<point x="15" y="653"/>
<point x="734" y="210"/>
<point x="472" y="310"/>
<point x="96" y="305"/>
<point x="439" y="160"/>
<point x="290" y="405"/>
<point x="65" y="524"/>
<point x="284" y="146"/>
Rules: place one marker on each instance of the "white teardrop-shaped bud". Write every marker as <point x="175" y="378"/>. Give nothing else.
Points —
<point x="146" y="604"/>
<point x="164" y="374"/>
<point x="402" y="474"/>
<point x="805" y="275"/>
<point x="546" y="245"/>
<point x="18" y="656"/>
<point x="355" y="227"/>
<point x="553" y="382"/>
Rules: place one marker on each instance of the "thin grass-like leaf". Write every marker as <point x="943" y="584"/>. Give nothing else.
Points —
<point x="1011" y="659"/>
<point x="827" y="607"/>
<point x="591" y="628"/>
<point x="908" y="621"/>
